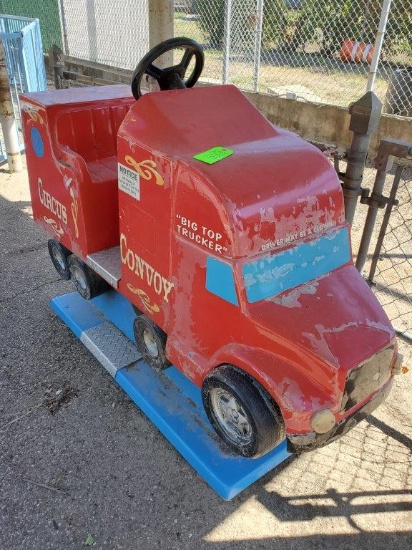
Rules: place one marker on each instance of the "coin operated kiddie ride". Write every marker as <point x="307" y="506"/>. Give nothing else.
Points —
<point x="229" y="238"/>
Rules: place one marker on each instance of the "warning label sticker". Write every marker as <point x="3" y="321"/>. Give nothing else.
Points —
<point x="129" y="181"/>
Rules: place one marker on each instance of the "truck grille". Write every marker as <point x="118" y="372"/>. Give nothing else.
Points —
<point x="366" y="379"/>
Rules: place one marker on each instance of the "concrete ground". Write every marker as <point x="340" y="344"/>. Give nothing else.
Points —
<point x="98" y="474"/>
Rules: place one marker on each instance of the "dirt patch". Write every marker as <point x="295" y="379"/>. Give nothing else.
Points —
<point x="55" y="399"/>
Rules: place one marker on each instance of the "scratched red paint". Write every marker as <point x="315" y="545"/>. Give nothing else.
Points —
<point x="172" y="212"/>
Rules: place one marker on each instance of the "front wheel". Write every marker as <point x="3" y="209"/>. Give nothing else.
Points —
<point x="241" y="412"/>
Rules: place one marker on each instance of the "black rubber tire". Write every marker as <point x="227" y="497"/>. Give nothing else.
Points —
<point x="59" y="255"/>
<point x="263" y="416"/>
<point x="145" y="331"/>
<point x="87" y="283"/>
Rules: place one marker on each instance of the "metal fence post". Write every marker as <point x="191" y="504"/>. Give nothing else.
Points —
<point x="385" y="222"/>
<point x="365" y="115"/>
<point x="226" y="41"/>
<point x="8" y="122"/>
<point x="386" y="8"/>
<point x="56" y="62"/>
<point x="161" y="26"/>
<point x="258" y="44"/>
<point x="92" y="29"/>
<point x="63" y="23"/>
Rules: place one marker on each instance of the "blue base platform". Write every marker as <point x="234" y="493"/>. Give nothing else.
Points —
<point x="171" y="401"/>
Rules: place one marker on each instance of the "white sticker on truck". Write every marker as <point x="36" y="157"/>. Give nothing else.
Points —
<point x="129" y="181"/>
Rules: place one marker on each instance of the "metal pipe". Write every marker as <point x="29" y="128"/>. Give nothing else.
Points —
<point x="226" y="41"/>
<point x="92" y="30"/>
<point x="56" y="62"/>
<point x="7" y="119"/>
<point x="386" y="7"/>
<point x="63" y="23"/>
<point x="365" y="19"/>
<point x="385" y="221"/>
<point x="404" y="334"/>
<point x="365" y="115"/>
<point x="370" y="219"/>
<point x="258" y="44"/>
<point x="161" y="27"/>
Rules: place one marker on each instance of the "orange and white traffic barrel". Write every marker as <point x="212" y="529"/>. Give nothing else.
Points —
<point x="356" y="52"/>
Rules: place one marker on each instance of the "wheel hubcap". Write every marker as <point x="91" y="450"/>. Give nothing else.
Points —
<point x="80" y="278"/>
<point x="231" y="416"/>
<point x="59" y="258"/>
<point x="151" y="344"/>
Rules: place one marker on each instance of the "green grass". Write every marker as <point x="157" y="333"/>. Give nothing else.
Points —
<point x="334" y="82"/>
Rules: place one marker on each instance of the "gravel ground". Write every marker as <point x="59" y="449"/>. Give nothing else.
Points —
<point x="96" y="473"/>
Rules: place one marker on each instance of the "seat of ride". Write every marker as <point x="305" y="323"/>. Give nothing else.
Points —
<point x="83" y="123"/>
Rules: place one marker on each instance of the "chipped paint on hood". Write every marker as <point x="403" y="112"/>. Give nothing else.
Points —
<point x="324" y="318"/>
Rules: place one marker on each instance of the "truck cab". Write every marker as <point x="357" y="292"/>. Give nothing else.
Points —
<point x="228" y="236"/>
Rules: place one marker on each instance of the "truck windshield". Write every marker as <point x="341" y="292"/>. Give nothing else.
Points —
<point x="273" y="274"/>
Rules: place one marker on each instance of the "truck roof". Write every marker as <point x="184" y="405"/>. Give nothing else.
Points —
<point x="275" y="188"/>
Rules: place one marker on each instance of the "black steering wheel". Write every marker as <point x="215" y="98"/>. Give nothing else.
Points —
<point x="170" y="78"/>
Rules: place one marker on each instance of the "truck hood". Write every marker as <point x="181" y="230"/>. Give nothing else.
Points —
<point x="335" y="318"/>
<point x="272" y="190"/>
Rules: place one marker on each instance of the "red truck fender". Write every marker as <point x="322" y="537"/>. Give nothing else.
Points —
<point x="297" y="397"/>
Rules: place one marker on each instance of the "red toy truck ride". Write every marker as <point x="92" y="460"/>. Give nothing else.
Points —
<point x="237" y="260"/>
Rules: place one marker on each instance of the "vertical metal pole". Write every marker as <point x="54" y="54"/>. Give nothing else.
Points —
<point x="226" y="41"/>
<point x="161" y="26"/>
<point x="365" y="20"/>
<point x="371" y="219"/>
<point x="63" y="23"/>
<point x="8" y="122"/>
<point x="385" y="222"/>
<point x="92" y="30"/>
<point x="365" y="115"/>
<point x="386" y="7"/>
<point x="258" y="44"/>
<point x="56" y="62"/>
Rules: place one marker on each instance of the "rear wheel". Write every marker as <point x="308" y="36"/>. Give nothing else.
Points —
<point x="87" y="283"/>
<point x="59" y="255"/>
<point x="241" y="412"/>
<point x="151" y="342"/>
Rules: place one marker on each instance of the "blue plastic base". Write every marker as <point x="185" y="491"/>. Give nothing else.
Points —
<point x="169" y="399"/>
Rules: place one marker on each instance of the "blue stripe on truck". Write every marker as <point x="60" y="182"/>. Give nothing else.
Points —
<point x="276" y="273"/>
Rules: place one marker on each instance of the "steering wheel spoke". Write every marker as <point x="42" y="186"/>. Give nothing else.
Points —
<point x="186" y="59"/>
<point x="173" y="77"/>
<point x="155" y="72"/>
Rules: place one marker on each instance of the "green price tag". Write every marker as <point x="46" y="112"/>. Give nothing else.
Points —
<point x="214" y="155"/>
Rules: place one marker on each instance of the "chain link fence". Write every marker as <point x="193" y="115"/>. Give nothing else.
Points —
<point x="313" y="50"/>
<point x="105" y="31"/>
<point x="309" y="50"/>
<point x="390" y="267"/>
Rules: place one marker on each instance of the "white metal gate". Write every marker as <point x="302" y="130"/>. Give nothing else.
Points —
<point x="25" y="63"/>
